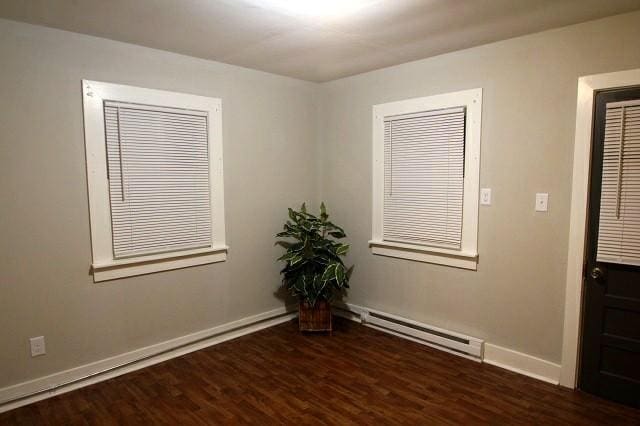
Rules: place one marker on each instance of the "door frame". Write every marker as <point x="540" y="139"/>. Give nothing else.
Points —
<point x="587" y="86"/>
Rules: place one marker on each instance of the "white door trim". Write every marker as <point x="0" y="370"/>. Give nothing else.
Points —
<point x="587" y="86"/>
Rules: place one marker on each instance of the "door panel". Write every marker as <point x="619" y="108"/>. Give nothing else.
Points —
<point x="620" y="322"/>
<point x="610" y="353"/>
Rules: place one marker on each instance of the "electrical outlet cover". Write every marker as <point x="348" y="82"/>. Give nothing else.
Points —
<point x="542" y="202"/>
<point x="37" y="346"/>
<point x="485" y="196"/>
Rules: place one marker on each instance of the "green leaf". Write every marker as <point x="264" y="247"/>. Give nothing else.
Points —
<point x="337" y="234"/>
<point x="295" y="260"/>
<point x="340" y="275"/>
<point x="349" y="272"/>
<point x="329" y="272"/>
<point x="323" y="212"/>
<point x="287" y="256"/>
<point x="322" y="260"/>
<point x="303" y="208"/>
<point x="342" y="249"/>
<point x="285" y="244"/>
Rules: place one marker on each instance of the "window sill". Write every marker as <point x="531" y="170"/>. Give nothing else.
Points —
<point x="457" y="259"/>
<point x="104" y="271"/>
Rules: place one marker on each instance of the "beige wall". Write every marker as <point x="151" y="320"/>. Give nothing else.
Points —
<point x="45" y="286"/>
<point x="516" y="298"/>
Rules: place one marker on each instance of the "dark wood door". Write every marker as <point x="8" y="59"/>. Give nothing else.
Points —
<point x="610" y="355"/>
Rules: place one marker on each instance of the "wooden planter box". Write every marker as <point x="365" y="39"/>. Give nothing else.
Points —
<point x="316" y="318"/>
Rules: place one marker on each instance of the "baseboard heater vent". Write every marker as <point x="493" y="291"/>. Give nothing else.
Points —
<point x="450" y="341"/>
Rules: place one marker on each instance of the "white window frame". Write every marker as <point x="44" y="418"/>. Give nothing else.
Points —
<point x="104" y="266"/>
<point x="467" y="256"/>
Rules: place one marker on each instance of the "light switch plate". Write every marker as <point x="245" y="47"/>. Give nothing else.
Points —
<point x="485" y="196"/>
<point x="37" y="346"/>
<point x="542" y="202"/>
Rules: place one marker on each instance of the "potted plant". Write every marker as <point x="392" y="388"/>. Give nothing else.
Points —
<point x="314" y="271"/>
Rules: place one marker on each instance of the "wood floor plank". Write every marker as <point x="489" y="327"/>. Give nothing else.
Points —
<point x="357" y="376"/>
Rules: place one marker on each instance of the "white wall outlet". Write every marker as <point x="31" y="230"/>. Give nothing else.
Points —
<point x="485" y="196"/>
<point x="542" y="202"/>
<point x="37" y="346"/>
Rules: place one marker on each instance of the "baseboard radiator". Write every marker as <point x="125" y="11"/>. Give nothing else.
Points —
<point x="446" y="340"/>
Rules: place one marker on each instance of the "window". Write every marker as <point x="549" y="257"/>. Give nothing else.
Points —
<point x="154" y="171"/>
<point x="426" y="163"/>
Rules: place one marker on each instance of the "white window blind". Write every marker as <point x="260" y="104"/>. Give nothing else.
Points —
<point x="619" y="229"/>
<point x="158" y="170"/>
<point x="424" y="177"/>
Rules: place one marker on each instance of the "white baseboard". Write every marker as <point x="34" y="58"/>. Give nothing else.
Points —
<point x="55" y="384"/>
<point x="522" y="363"/>
<point x="347" y="310"/>
<point x="58" y="383"/>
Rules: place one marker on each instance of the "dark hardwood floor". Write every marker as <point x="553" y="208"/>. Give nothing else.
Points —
<point x="357" y="376"/>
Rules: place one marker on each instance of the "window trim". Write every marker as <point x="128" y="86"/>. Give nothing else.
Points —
<point x="104" y="266"/>
<point x="467" y="256"/>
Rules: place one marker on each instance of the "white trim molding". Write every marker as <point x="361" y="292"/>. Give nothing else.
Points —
<point x="150" y="264"/>
<point x="587" y="86"/>
<point x="425" y="254"/>
<point x="58" y="383"/>
<point x="105" y="266"/>
<point x="522" y="363"/>
<point x="466" y="256"/>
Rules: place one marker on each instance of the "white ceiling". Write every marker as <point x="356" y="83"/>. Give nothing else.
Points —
<point x="265" y="35"/>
